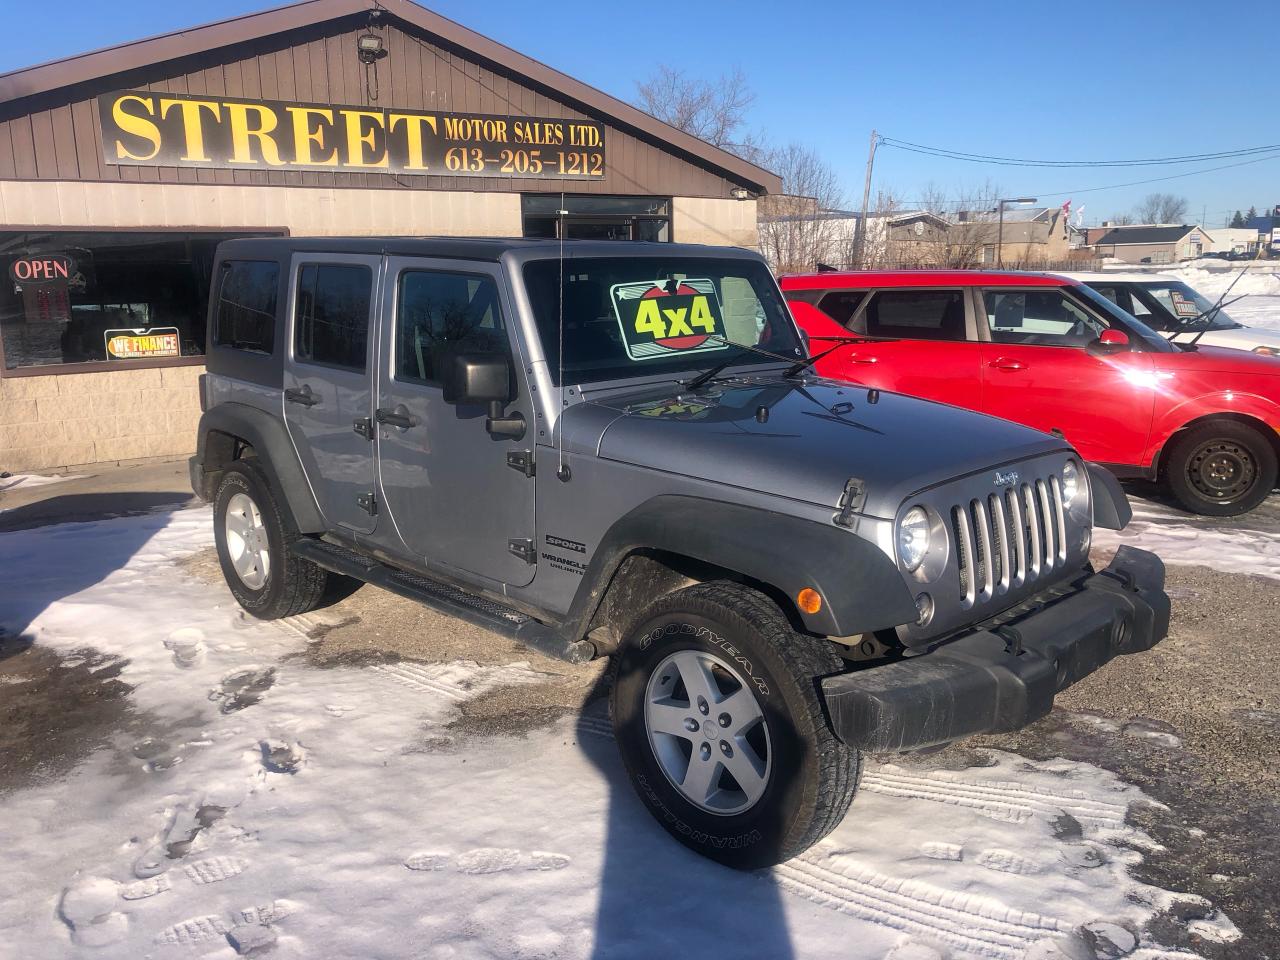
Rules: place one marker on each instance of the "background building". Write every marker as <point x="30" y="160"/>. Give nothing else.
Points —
<point x="1154" y="243"/>
<point x="121" y="170"/>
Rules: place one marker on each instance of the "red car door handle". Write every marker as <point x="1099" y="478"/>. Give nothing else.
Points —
<point x="854" y="358"/>
<point x="1004" y="363"/>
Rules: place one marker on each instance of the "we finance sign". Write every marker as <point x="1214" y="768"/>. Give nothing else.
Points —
<point x="141" y="128"/>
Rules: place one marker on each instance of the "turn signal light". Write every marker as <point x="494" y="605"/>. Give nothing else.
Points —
<point x="809" y="600"/>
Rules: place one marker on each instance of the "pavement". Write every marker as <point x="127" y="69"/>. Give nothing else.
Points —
<point x="1195" y="723"/>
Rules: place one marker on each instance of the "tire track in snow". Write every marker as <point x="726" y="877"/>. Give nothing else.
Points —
<point x="974" y="924"/>
<point x="999" y="800"/>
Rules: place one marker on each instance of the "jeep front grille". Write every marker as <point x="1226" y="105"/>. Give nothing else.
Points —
<point x="1008" y="539"/>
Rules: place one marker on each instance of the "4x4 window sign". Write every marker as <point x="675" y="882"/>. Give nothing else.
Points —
<point x="657" y="320"/>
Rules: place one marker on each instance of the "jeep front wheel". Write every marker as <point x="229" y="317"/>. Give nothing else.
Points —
<point x="721" y="729"/>
<point x="252" y="537"/>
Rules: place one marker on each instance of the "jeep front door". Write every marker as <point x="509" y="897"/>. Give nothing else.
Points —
<point x="327" y="385"/>
<point x="449" y="490"/>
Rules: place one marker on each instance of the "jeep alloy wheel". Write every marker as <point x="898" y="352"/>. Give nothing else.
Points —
<point x="247" y="541"/>
<point x="708" y="732"/>
<point x="252" y="535"/>
<point x="718" y="719"/>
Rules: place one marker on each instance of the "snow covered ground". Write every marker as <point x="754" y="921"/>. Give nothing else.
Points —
<point x="1247" y="544"/>
<point x="254" y="801"/>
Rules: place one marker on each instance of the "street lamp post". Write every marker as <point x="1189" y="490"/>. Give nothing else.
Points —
<point x="1000" y="229"/>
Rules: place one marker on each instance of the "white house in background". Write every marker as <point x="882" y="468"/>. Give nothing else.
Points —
<point x="1234" y="240"/>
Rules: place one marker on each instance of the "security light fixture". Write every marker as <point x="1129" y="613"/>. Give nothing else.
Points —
<point x="740" y="193"/>
<point x="369" y="48"/>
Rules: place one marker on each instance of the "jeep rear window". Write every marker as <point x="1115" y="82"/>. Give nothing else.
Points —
<point x="719" y="306"/>
<point x="246" y="315"/>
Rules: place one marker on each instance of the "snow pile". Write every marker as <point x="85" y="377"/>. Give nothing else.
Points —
<point x="1245" y="544"/>
<point x="1258" y="279"/>
<point x="254" y="803"/>
<point x="10" y="480"/>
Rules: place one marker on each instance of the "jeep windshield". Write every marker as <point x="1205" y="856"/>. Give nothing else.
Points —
<point x="644" y="316"/>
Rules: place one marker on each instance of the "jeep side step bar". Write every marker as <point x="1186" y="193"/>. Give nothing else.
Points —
<point x="475" y="610"/>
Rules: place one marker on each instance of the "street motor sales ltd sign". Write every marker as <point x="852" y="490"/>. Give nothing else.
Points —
<point x="159" y="129"/>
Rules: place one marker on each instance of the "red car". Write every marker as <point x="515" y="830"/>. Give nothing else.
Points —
<point x="1051" y="353"/>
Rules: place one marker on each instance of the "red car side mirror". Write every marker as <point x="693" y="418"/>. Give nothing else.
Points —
<point x="1110" y="342"/>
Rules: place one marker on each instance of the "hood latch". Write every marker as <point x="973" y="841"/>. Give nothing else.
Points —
<point x="850" y="501"/>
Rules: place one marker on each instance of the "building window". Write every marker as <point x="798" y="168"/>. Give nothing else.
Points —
<point x="989" y="253"/>
<point x="597" y="218"/>
<point x="90" y="297"/>
<point x="332" y="323"/>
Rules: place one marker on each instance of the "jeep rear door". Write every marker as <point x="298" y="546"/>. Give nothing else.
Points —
<point x="924" y="342"/>
<point x="452" y="496"/>
<point x="327" y="381"/>
<point x="1036" y="370"/>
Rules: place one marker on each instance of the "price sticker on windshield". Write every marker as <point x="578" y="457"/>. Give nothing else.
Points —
<point x="1182" y="306"/>
<point x="664" y="318"/>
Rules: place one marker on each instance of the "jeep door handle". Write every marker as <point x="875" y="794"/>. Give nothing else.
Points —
<point x="392" y="419"/>
<point x="302" y="395"/>
<point x="1004" y="363"/>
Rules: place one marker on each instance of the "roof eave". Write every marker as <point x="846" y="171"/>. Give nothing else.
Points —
<point x="94" y="65"/>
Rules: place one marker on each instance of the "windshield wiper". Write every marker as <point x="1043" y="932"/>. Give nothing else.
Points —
<point x="1208" y="316"/>
<point x="795" y="368"/>
<point x="715" y="370"/>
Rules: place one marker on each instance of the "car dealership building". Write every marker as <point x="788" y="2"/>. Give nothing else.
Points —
<point x="122" y="169"/>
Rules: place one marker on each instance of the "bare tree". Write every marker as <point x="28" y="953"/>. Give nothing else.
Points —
<point x="801" y="227"/>
<point x="711" y="110"/>
<point x="1161" y="208"/>
<point x="972" y="226"/>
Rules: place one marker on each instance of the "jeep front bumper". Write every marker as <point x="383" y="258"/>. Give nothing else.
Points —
<point x="1001" y="679"/>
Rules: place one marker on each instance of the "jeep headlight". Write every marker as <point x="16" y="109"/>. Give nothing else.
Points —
<point x="914" y="538"/>
<point x="1072" y="483"/>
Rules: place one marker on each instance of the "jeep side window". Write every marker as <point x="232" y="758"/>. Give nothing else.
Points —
<point x="437" y="313"/>
<point x="245" y="318"/>
<point x="841" y="305"/>
<point x="916" y="315"/>
<point x="332" y="323"/>
<point x="1039" y="318"/>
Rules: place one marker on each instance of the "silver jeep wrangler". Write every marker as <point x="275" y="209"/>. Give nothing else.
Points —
<point x="609" y="449"/>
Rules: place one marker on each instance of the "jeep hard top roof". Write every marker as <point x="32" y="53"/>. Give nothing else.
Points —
<point x="837" y="280"/>
<point x="469" y="248"/>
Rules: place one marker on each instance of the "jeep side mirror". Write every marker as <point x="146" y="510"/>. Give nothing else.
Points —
<point x="1110" y="342"/>
<point x="484" y="378"/>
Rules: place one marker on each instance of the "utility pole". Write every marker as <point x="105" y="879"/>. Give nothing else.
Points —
<point x="860" y="233"/>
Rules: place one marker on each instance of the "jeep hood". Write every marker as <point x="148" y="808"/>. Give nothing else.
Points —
<point x="803" y="440"/>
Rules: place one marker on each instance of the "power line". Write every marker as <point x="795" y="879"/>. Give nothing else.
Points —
<point x="1014" y="161"/>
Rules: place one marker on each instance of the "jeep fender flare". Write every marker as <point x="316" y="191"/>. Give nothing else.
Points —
<point x="860" y="587"/>
<point x="274" y="451"/>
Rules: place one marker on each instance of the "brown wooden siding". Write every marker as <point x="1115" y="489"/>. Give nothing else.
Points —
<point x="57" y="136"/>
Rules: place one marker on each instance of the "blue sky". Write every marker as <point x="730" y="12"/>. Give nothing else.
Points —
<point x="1019" y="79"/>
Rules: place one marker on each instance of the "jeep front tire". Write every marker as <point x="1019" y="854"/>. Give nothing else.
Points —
<point x="717" y="716"/>
<point x="252" y="537"/>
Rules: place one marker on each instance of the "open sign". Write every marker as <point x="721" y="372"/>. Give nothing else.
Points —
<point x="44" y="268"/>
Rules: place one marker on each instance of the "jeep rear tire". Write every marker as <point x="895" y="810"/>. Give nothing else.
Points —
<point x="252" y="537"/>
<point x="1221" y="469"/>
<point x="716" y="711"/>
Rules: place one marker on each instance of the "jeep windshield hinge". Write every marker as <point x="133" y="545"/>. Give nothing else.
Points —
<point x="364" y="427"/>
<point x="522" y="460"/>
<point x="368" y="503"/>
<point x="522" y="548"/>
